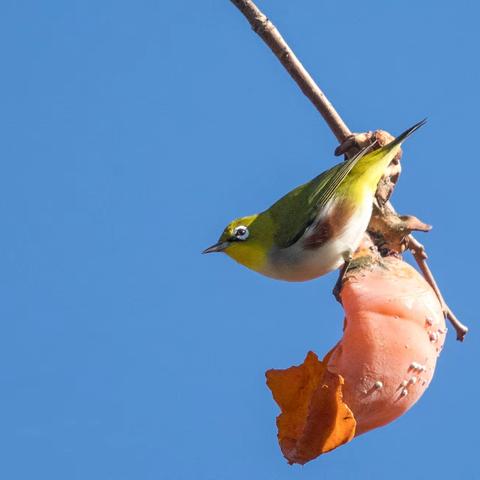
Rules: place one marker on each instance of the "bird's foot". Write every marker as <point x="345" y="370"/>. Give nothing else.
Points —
<point x="348" y="257"/>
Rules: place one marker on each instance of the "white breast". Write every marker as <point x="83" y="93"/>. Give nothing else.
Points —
<point x="297" y="264"/>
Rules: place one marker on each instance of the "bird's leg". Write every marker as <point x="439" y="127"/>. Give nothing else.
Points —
<point x="347" y="257"/>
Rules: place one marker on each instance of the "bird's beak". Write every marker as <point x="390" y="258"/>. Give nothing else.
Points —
<point x="218" y="247"/>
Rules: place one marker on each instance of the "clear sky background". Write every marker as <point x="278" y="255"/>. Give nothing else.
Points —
<point x="131" y="132"/>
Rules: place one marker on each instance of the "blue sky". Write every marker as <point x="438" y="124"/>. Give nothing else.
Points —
<point x="131" y="132"/>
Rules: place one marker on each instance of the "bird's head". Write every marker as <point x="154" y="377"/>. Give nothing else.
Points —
<point x="247" y="240"/>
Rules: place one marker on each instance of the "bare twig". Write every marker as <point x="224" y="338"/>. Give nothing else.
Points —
<point x="272" y="37"/>
<point x="418" y="251"/>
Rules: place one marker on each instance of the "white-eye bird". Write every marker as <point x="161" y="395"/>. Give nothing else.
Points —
<point x="316" y="227"/>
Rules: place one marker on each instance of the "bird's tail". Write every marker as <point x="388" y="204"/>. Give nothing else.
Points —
<point x="372" y="166"/>
<point x="403" y="136"/>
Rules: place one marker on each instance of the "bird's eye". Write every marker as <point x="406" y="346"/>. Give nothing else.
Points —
<point x="241" y="232"/>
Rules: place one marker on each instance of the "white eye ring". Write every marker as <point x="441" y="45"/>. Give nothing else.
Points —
<point x="241" y="232"/>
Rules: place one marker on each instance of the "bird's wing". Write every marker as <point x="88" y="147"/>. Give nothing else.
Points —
<point x="298" y="209"/>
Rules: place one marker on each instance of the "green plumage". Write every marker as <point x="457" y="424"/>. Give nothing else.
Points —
<point x="296" y="211"/>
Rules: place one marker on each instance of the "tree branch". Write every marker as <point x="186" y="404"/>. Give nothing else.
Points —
<point x="272" y="37"/>
<point x="418" y="251"/>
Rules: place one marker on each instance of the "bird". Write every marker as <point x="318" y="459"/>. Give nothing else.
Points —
<point x="315" y="228"/>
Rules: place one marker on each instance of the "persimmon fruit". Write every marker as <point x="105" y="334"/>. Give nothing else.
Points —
<point x="394" y="330"/>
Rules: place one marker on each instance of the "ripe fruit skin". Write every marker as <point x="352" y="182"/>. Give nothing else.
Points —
<point x="394" y="331"/>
